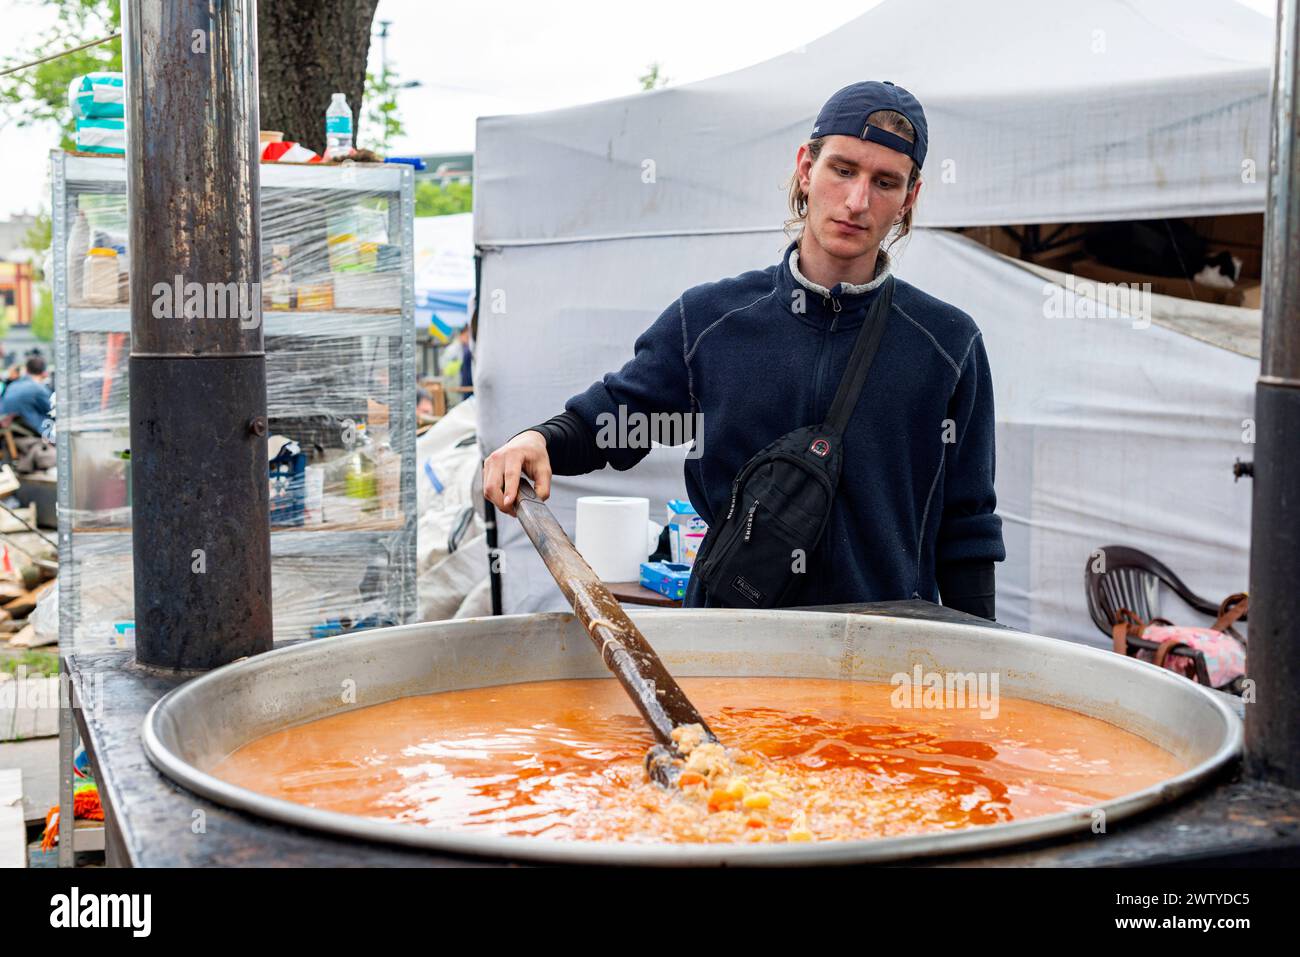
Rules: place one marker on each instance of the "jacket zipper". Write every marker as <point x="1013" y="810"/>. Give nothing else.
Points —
<point x="821" y="354"/>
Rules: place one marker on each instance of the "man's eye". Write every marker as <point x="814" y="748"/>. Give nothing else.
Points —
<point x="843" y="172"/>
<point x="886" y="183"/>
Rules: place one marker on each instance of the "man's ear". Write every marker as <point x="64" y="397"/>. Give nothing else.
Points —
<point x="911" y="197"/>
<point x="803" y="162"/>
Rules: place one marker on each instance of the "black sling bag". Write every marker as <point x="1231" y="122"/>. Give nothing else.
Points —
<point x="781" y="499"/>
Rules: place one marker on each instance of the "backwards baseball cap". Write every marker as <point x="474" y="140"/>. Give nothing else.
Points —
<point x="845" y="114"/>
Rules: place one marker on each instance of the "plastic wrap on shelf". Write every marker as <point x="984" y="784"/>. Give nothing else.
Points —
<point x="339" y="251"/>
<point x="310" y="592"/>
<point x="340" y="350"/>
<point x="329" y="395"/>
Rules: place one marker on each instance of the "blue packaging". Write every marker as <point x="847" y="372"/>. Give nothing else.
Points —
<point x="288" y="474"/>
<point x="666" y="578"/>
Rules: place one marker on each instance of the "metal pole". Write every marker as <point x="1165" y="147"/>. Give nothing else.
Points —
<point x="494" y="555"/>
<point x="198" y="373"/>
<point x="1273" y="718"/>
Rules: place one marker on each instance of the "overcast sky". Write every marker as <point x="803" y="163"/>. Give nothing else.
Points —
<point x="506" y="56"/>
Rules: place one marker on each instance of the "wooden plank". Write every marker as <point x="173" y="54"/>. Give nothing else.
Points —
<point x="22" y="606"/>
<point x="23" y="637"/>
<point x="38" y="759"/>
<point x="9" y="523"/>
<point x="28" y="637"/>
<point x="29" y="707"/>
<point x="634" y="593"/>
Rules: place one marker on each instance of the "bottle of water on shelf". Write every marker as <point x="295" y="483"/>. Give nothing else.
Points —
<point x="338" y="127"/>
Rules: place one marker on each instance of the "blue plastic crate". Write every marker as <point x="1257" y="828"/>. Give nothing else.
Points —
<point x="289" y="486"/>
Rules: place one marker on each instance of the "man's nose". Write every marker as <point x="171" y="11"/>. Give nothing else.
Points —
<point x="859" y="197"/>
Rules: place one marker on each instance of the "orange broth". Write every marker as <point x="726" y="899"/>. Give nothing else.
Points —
<point x="828" y="760"/>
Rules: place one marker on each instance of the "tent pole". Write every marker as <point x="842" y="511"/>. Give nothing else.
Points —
<point x="200" y="488"/>
<point x="1273" y="717"/>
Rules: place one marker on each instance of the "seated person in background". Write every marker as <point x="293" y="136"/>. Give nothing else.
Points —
<point x="28" y="398"/>
<point x="423" y="405"/>
<point x="467" y="361"/>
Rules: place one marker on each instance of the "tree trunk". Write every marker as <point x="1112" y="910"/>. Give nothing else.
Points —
<point x="307" y="51"/>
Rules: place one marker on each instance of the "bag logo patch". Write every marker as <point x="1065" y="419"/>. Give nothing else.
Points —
<point x="746" y="589"/>
<point x="820" y="447"/>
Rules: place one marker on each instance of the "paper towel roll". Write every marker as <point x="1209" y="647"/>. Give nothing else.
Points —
<point x="611" y="535"/>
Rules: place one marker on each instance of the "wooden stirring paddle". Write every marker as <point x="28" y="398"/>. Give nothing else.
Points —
<point x="622" y="647"/>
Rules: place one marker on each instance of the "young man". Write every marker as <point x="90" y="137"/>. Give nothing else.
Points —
<point x="28" y="398"/>
<point x="761" y="354"/>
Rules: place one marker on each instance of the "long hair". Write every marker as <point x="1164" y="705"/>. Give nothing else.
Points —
<point x="885" y="119"/>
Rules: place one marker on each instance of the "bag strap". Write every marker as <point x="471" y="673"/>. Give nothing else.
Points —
<point x="1232" y="608"/>
<point x="864" y="352"/>
<point x="1126" y="623"/>
<point x="1162" y="652"/>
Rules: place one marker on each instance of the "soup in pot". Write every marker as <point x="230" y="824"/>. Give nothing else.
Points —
<point x="806" y="760"/>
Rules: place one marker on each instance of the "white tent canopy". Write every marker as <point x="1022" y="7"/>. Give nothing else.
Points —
<point x="592" y="219"/>
<point x="1039" y="111"/>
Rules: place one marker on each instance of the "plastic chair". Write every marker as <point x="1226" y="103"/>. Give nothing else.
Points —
<point x="1132" y="580"/>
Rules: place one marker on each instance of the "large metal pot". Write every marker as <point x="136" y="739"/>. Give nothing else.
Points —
<point x="189" y="730"/>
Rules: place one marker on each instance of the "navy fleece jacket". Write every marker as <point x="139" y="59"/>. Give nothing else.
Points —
<point x="759" y="355"/>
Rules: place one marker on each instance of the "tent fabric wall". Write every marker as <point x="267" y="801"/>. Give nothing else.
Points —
<point x="591" y="220"/>
<point x="1039" y="111"/>
<point x="553" y="320"/>
<point x="1106" y="433"/>
<point x="1110" y="430"/>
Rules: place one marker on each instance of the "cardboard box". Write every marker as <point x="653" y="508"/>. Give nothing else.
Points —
<point x="686" y="531"/>
<point x="1250" y="295"/>
<point x="1160" y="285"/>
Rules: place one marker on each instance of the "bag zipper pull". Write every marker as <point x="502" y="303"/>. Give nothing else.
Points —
<point x="732" y="510"/>
<point x="749" y="520"/>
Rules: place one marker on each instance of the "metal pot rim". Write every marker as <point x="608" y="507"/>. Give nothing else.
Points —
<point x="543" y="849"/>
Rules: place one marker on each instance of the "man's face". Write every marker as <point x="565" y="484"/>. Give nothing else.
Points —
<point x="857" y="190"/>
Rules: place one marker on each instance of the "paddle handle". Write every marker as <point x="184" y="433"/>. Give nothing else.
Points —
<point x="622" y="647"/>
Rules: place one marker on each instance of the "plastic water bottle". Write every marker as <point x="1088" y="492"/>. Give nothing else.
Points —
<point x="338" y="127"/>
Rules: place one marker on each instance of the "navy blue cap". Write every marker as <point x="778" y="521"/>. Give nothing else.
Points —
<point x="845" y="114"/>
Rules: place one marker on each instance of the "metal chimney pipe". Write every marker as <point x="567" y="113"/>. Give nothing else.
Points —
<point x="200" y="491"/>
<point x="1273" y="718"/>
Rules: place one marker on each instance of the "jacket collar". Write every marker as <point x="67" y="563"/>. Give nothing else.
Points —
<point x="840" y="307"/>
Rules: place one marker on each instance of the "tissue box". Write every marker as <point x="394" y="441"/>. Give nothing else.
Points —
<point x="667" y="578"/>
<point x="686" y="531"/>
